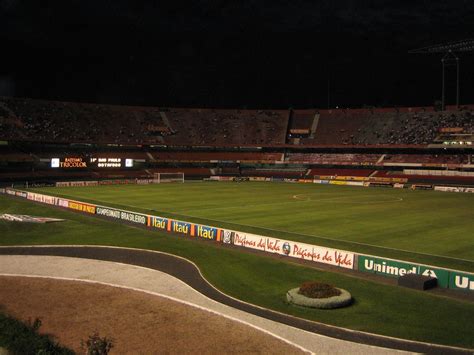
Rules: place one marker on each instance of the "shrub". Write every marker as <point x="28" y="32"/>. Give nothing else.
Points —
<point x="344" y="299"/>
<point x="96" y="345"/>
<point x="313" y="289"/>
<point x="23" y="338"/>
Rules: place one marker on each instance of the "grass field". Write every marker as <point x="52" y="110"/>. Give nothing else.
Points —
<point x="264" y="281"/>
<point x="423" y="226"/>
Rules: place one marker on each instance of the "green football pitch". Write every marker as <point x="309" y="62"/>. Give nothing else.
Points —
<point x="422" y="226"/>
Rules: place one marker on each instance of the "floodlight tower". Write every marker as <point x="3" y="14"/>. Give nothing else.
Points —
<point x="449" y="59"/>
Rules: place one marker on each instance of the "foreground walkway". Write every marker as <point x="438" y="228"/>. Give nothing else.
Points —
<point x="183" y="286"/>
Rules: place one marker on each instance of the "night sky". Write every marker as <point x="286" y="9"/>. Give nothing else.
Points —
<point x="239" y="54"/>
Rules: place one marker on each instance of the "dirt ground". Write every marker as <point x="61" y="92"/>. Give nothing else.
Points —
<point x="137" y="322"/>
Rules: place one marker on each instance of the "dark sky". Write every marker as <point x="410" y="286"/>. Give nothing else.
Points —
<point x="255" y="54"/>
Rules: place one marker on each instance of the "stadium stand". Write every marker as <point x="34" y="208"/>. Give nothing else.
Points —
<point x="340" y="172"/>
<point x="65" y="122"/>
<point x="225" y="127"/>
<point x="212" y="156"/>
<point x="27" y="119"/>
<point x="368" y="127"/>
<point x="332" y="158"/>
<point x="426" y="158"/>
<point x="206" y="142"/>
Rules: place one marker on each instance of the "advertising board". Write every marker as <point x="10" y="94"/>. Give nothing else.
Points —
<point x="62" y="202"/>
<point x="133" y="217"/>
<point x="83" y="207"/>
<point x="159" y="222"/>
<point x="144" y="181"/>
<point x="181" y="227"/>
<point x="122" y="215"/>
<point x="395" y="268"/>
<point x="320" y="254"/>
<point x="248" y="240"/>
<point x="461" y="281"/>
<point x="207" y="232"/>
<point x="50" y="200"/>
<point x="292" y="249"/>
<point x="62" y="184"/>
<point x="76" y="183"/>
<point x="228" y="237"/>
<point x="318" y="181"/>
<point x="454" y="189"/>
<point x="421" y="187"/>
<point x="257" y="178"/>
<point x="355" y="183"/>
<point x="22" y="194"/>
<point x="10" y="192"/>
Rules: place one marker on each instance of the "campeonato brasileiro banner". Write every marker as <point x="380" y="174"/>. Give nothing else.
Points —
<point x="127" y="216"/>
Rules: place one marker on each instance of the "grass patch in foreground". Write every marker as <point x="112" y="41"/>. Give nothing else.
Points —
<point x="261" y="280"/>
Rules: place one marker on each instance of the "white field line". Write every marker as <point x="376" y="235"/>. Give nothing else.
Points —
<point x="283" y="231"/>
<point x="304" y="197"/>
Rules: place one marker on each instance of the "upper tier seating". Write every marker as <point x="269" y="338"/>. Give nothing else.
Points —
<point x="340" y="172"/>
<point x="226" y="127"/>
<point x="333" y="158"/>
<point x="49" y="121"/>
<point x="26" y="119"/>
<point x="209" y="156"/>
<point x="426" y="158"/>
<point x="364" y="127"/>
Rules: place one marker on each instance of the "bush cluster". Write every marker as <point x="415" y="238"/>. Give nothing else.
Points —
<point x="23" y="338"/>
<point x="96" y="345"/>
<point x="313" y="289"/>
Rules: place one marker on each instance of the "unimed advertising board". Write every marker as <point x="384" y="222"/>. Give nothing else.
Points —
<point x="394" y="268"/>
<point x="461" y="281"/>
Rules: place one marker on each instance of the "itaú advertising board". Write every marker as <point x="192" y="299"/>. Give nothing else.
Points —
<point x="292" y="249"/>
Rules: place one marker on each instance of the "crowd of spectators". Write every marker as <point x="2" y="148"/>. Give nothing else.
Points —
<point x="396" y="128"/>
<point x="375" y="158"/>
<point x="427" y="158"/>
<point x="224" y="127"/>
<point x="329" y="158"/>
<point x="49" y="121"/>
<point x="27" y="119"/>
<point x="163" y="155"/>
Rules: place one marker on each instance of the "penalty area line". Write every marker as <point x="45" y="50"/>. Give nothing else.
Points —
<point x="306" y="198"/>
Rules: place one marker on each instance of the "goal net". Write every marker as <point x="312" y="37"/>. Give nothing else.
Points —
<point x="159" y="178"/>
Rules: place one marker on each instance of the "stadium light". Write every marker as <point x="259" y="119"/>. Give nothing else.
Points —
<point x="449" y="59"/>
